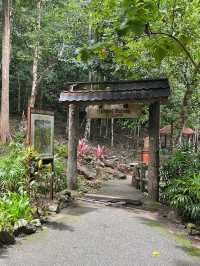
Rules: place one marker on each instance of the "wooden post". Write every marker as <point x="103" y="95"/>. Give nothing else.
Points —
<point x="153" y="168"/>
<point x="72" y="146"/>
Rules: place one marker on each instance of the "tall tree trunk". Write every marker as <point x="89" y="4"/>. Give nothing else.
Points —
<point x="73" y="136"/>
<point x="185" y="106"/>
<point x="35" y="59"/>
<point x="19" y="95"/>
<point x="87" y="133"/>
<point x="6" y="46"/>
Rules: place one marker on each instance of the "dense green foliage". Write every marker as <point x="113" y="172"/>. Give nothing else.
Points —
<point x="14" y="206"/>
<point x="24" y="180"/>
<point x="13" y="170"/>
<point x="111" y="39"/>
<point x="20" y="168"/>
<point x="182" y="189"/>
<point x="135" y="39"/>
<point x="182" y="163"/>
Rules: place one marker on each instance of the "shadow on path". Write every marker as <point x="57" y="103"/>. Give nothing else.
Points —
<point x="3" y="252"/>
<point x="59" y="226"/>
<point x="78" y="209"/>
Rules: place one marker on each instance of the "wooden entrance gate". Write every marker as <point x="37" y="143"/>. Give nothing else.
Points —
<point x="151" y="92"/>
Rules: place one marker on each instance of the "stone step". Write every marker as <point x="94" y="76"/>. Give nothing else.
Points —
<point x="113" y="199"/>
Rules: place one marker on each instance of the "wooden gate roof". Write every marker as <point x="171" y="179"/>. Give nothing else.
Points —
<point x="116" y="91"/>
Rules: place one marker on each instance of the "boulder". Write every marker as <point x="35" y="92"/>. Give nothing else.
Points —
<point x="6" y="238"/>
<point x="23" y="227"/>
<point x="54" y="207"/>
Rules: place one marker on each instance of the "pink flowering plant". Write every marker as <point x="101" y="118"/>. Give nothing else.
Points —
<point x="82" y="148"/>
<point x="100" y="152"/>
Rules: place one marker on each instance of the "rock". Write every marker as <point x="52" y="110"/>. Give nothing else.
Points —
<point x="36" y="223"/>
<point x="173" y="216"/>
<point x="118" y="204"/>
<point x="21" y="223"/>
<point x="192" y="229"/>
<point x="54" y="207"/>
<point x="30" y="229"/>
<point x="109" y="163"/>
<point x="66" y="192"/>
<point x="124" y="168"/>
<point x="120" y="175"/>
<point x="117" y="174"/>
<point x="6" y="238"/>
<point x="23" y="227"/>
<point x="88" y="173"/>
<point x="43" y="219"/>
<point x="64" y="200"/>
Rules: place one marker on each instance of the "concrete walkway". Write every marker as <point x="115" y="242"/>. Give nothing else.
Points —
<point x="94" y="235"/>
<point x="121" y="188"/>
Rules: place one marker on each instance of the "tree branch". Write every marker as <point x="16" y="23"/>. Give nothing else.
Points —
<point x="196" y="66"/>
<point x="44" y="73"/>
<point x="173" y="15"/>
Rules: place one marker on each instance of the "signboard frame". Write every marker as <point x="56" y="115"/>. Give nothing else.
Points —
<point x="42" y="120"/>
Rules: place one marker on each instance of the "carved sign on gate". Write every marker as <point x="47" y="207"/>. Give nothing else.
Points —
<point x="114" y="110"/>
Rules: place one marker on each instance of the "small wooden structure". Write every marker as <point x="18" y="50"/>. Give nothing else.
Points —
<point x="151" y="92"/>
<point x="166" y="135"/>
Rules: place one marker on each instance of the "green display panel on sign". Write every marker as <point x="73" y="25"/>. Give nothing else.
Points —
<point x="42" y="134"/>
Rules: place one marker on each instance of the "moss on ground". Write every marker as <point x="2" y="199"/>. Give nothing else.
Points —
<point x="181" y="239"/>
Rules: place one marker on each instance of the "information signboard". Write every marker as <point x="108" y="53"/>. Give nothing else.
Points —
<point x="42" y="133"/>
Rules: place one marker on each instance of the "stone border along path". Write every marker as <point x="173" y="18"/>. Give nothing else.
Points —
<point x="95" y="235"/>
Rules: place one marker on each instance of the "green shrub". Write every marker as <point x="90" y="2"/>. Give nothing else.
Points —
<point x="183" y="194"/>
<point x="19" y="169"/>
<point x="61" y="150"/>
<point x="60" y="174"/>
<point x="184" y="161"/>
<point x="182" y="184"/>
<point x="14" y="206"/>
<point x="19" y="137"/>
<point x="12" y="170"/>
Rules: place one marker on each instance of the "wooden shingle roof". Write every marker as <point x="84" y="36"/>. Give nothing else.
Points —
<point x="116" y="91"/>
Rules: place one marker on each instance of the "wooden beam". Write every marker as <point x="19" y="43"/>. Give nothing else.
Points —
<point x="153" y="168"/>
<point x="73" y="134"/>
